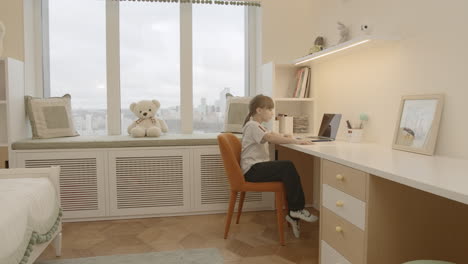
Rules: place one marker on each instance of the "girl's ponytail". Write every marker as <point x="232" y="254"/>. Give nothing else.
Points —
<point x="247" y="119"/>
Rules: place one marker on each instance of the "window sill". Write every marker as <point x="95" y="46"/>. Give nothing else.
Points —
<point x="84" y="142"/>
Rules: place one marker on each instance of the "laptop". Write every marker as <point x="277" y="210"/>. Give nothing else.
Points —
<point x="328" y="128"/>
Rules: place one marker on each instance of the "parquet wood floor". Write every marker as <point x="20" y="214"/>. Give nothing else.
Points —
<point x="254" y="240"/>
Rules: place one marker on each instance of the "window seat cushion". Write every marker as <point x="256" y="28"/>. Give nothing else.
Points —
<point x="83" y="142"/>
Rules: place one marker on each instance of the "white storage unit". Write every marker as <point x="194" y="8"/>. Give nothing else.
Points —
<point x="111" y="183"/>
<point x="211" y="185"/>
<point x="82" y="179"/>
<point x="277" y="80"/>
<point x="13" y="125"/>
<point x="149" y="181"/>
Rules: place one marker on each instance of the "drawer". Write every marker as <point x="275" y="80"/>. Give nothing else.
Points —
<point x="343" y="236"/>
<point x="329" y="255"/>
<point x="346" y="179"/>
<point x="351" y="209"/>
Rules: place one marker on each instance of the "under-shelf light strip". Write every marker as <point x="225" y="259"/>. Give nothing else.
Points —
<point x="331" y="52"/>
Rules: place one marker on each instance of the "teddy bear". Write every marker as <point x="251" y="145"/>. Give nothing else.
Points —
<point x="147" y="124"/>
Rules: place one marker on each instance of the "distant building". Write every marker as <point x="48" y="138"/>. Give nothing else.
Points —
<point x="89" y="127"/>
<point x="222" y="99"/>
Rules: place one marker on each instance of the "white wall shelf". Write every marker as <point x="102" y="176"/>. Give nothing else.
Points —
<point x="357" y="41"/>
<point x="277" y="81"/>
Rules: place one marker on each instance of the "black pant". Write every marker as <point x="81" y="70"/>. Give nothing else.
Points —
<point x="283" y="171"/>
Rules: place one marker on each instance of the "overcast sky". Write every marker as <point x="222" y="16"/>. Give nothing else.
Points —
<point x="150" y="55"/>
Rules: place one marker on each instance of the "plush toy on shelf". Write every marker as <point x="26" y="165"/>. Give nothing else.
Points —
<point x="148" y="124"/>
<point x="319" y="44"/>
<point x="344" y="32"/>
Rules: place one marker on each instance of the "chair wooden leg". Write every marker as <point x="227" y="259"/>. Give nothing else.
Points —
<point x="241" y="204"/>
<point x="279" y="214"/>
<point x="285" y="199"/>
<point x="232" y="203"/>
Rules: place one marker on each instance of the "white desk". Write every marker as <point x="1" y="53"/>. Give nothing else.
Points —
<point x="401" y="222"/>
<point x="441" y="176"/>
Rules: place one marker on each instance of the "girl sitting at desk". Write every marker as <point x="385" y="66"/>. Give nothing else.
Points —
<point x="256" y="164"/>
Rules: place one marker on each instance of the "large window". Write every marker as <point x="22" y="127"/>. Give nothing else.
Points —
<point x="149" y="59"/>
<point x="218" y="63"/>
<point x="149" y="48"/>
<point x="77" y="58"/>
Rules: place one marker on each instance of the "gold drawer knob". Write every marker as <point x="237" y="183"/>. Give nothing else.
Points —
<point x="339" y="203"/>
<point x="339" y="177"/>
<point x="339" y="229"/>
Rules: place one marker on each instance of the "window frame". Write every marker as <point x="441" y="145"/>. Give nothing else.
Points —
<point x="252" y="55"/>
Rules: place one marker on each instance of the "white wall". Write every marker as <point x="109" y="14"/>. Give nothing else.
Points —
<point x="286" y="29"/>
<point x="11" y="13"/>
<point x="32" y="34"/>
<point x="432" y="57"/>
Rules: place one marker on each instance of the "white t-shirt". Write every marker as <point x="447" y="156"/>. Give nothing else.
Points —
<point x="254" y="147"/>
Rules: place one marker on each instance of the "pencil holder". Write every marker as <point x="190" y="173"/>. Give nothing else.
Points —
<point x="355" y="135"/>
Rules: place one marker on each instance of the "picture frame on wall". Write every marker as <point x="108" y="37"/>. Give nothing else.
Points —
<point x="418" y="123"/>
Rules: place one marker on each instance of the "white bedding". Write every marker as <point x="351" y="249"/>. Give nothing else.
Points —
<point x="26" y="205"/>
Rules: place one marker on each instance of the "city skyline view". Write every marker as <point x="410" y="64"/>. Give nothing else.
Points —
<point x="207" y="118"/>
<point x="149" y="59"/>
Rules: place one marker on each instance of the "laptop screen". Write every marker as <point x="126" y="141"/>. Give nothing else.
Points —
<point x="330" y="125"/>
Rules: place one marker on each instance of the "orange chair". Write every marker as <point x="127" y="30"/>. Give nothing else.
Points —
<point x="230" y="147"/>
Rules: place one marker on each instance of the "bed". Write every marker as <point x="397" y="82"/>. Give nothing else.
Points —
<point x="30" y="214"/>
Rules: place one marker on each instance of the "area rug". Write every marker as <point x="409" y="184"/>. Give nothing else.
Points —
<point x="192" y="256"/>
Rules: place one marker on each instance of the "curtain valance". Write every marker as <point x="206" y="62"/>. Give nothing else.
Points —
<point x="215" y="2"/>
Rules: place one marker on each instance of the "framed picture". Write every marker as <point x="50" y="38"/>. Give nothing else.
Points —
<point x="418" y="123"/>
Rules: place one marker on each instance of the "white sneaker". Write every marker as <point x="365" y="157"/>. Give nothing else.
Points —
<point x="304" y="215"/>
<point x="296" y="228"/>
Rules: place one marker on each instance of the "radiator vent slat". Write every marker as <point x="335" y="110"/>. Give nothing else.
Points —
<point x="78" y="181"/>
<point x="214" y="182"/>
<point x="152" y="181"/>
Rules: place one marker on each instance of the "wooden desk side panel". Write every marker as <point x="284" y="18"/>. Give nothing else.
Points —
<point x="306" y="165"/>
<point x="407" y="224"/>
<point x="3" y="156"/>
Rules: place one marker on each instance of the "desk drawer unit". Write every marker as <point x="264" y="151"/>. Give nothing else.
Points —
<point x="328" y="255"/>
<point x="346" y="179"/>
<point x="351" y="209"/>
<point x="344" y="237"/>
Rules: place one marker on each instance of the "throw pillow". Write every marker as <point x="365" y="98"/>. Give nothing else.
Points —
<point x="237" y="109"/>
<point x="50" y="117"/>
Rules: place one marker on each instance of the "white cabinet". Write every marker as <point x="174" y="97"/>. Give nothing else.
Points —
<point x="13" y="124"/>
<point x="211" y="185"/>
<point x="149" y="181"/>
<point x="110" y="183"/>
<point x="82" y="179"/>
<point x="278" y="81"/>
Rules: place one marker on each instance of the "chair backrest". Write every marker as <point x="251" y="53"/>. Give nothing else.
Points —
<point x="230" y="147"/>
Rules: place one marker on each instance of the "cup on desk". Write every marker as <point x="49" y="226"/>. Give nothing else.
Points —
<point x="355" y="135"/>
<point x="276" y="126"/>
<point x="286" y="125"/>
